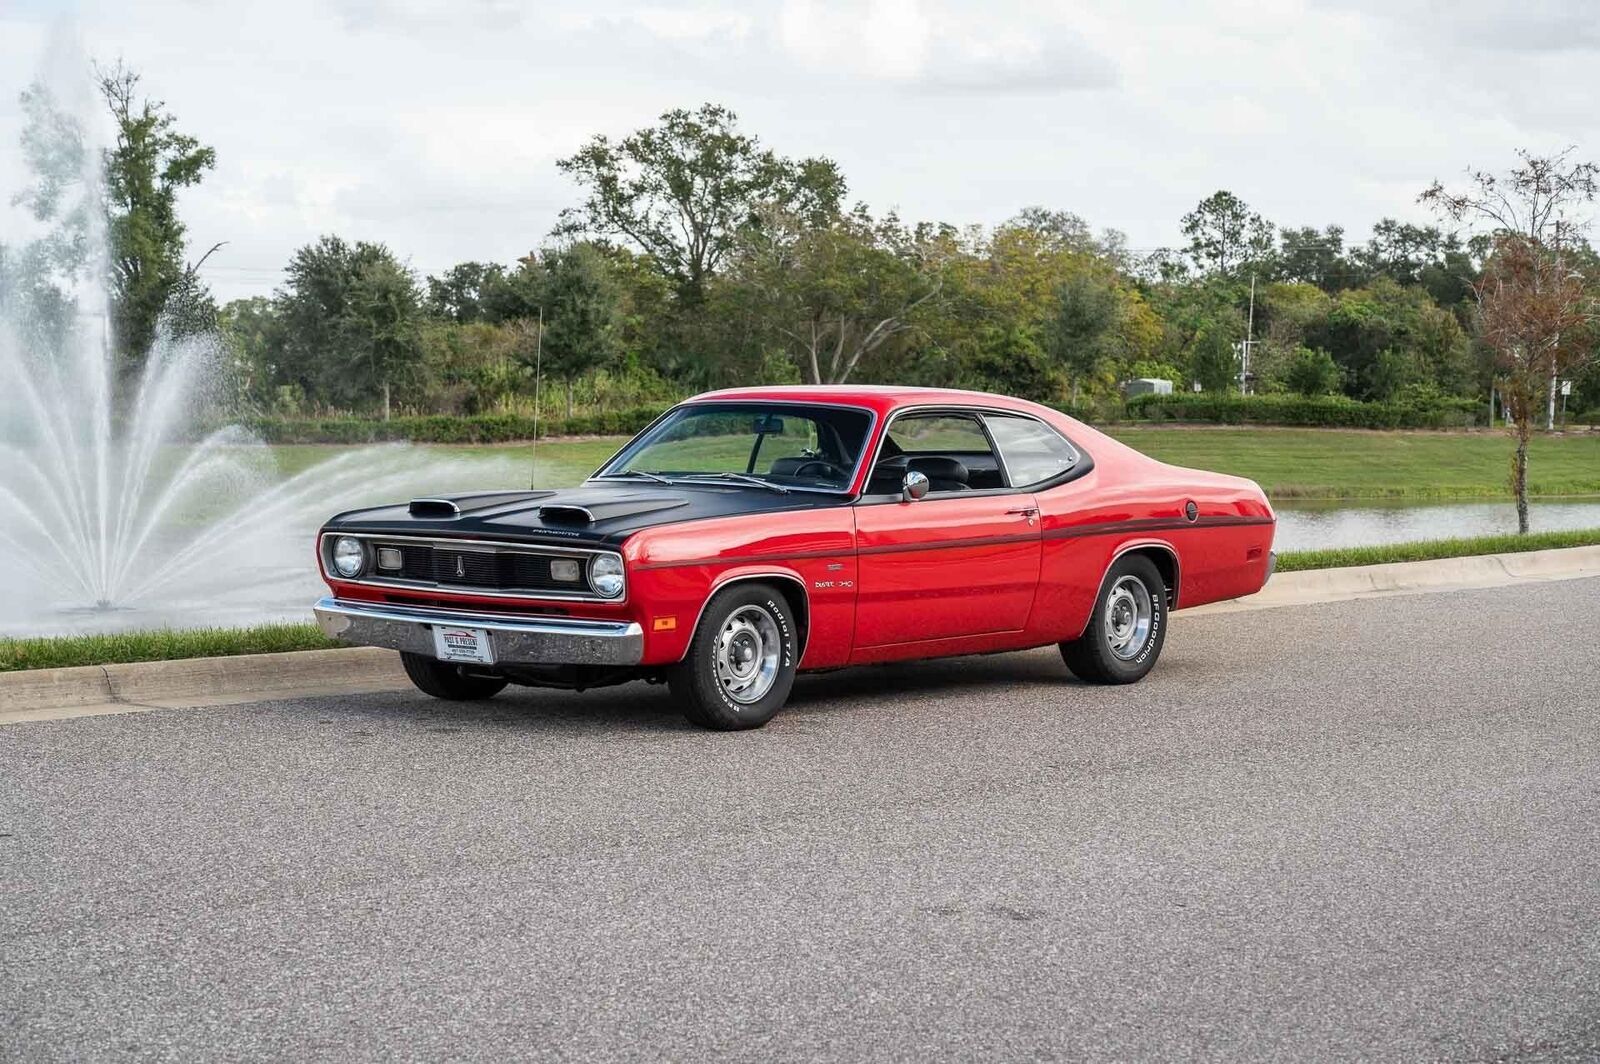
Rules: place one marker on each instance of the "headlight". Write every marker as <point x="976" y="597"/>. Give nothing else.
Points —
<point x="605" y="575"/>
<point x="349" y="556"/>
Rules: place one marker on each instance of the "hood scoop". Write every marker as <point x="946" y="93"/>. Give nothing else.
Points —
<point x="566" y="514"/>
<point x="455" y="506"/>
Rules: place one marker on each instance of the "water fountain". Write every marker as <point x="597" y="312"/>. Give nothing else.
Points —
<point x="130" y="504"/>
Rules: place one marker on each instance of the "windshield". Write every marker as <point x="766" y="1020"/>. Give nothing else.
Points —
<point x="772" y="444"/>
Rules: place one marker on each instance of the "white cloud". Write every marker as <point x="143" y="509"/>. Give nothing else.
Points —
<point x="434" y="125"/>
<point x="920" y="44"/>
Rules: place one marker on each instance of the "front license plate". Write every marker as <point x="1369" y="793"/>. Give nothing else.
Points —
<point x="463" y="644"/>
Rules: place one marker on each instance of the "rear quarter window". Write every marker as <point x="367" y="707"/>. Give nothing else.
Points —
<point x="1032" y="451"/>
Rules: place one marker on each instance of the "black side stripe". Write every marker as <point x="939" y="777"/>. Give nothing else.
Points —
<point x="1155" y="524"/>
<point x="1103" y="528"/>
<point x="950" y="544"/>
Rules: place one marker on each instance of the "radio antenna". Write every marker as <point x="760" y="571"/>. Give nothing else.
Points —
<point x="538" y="368"/>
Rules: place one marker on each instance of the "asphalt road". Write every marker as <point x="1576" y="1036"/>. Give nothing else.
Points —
<point x="1360" y="830"/>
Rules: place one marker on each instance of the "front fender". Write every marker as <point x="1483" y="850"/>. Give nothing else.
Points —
<point x="674" y="570"/>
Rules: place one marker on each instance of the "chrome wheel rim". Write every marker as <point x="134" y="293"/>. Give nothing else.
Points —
<point x="748" y="649"/>
<point x="1129" y="615"/>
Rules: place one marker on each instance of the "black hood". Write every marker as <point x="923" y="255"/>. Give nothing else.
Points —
<point x="597" y="512"/>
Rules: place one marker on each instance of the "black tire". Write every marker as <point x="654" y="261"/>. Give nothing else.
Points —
<point x="1096" y="656"/>
<point x="443" y="680"/>
<point x="711" y="698"/>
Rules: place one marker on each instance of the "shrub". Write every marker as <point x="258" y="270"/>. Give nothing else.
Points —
<point x="1312" y="372"/>
<point x="478" y="428"/>
<point x="1311" y="411"/>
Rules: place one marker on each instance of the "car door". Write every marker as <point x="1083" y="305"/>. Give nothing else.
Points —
<point x="961" y="561"/>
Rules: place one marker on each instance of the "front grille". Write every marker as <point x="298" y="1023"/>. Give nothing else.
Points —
<point x="488" y="568"/>
<point x="510" y="609"/>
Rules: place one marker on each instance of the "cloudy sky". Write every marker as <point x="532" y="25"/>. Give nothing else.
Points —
<point x="434" y="125"/>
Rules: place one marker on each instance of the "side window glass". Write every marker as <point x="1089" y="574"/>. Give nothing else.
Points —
<point x="1033" y="452"/>
<point x="938" y="433"/>
<point x="950" y="450"/>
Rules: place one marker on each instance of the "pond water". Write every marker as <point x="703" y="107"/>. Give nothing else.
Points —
<point x="1342" y="523"/>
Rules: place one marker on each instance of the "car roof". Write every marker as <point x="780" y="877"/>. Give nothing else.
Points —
<point x="881" y="398"/>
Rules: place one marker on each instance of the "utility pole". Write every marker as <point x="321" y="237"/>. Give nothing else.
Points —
<point x="1249" y="340"/>
<point x="538" y="367"/>
<point x="1550" y="409"/>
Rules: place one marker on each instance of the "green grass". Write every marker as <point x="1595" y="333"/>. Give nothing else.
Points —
<point x="1337" y="464"/>
<point x="53" y="652"/>
<point x="1288" y="463"/>
<point x="1429" y="550"/>
<point x="560" y="461"/>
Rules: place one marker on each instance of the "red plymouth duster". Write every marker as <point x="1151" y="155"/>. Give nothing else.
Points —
<point x="749" y="534"/>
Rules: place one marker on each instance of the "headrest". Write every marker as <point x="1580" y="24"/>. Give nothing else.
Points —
<point x="938" y="467"/>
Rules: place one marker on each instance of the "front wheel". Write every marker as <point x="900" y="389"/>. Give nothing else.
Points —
<point x="741" y="660"/>
<point x="452" y="682"/>
<point x="1126" y="629"/>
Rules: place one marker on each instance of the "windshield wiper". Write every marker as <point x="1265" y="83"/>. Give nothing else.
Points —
<point x="657" y="477"/>
<point x="742" y="478"/>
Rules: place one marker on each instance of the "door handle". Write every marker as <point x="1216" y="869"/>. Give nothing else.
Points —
<point x="1030" y="512"/>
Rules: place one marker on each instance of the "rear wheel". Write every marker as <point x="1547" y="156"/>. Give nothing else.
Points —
<point x="741" y="660"/>
<point x="444" y="680"/>
<point x="1127" y="628"/>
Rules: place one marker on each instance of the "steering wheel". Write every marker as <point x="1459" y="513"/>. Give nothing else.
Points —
<point x="828" y="471"/>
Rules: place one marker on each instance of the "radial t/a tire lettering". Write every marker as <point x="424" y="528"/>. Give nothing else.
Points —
<point x="1127" y="628"/>
<point x="741" y="661"/>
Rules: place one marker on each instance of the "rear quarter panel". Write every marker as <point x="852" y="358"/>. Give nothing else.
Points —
<point x="1129" y="501"/>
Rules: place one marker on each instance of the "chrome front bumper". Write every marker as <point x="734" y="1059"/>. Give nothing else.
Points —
<point x="517" y="641"/>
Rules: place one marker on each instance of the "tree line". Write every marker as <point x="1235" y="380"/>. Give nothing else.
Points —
<point x="696" y="257"/>
<point x="699" y="258"/>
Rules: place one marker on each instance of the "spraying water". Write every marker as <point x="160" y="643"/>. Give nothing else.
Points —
<point x="125" y="498"/>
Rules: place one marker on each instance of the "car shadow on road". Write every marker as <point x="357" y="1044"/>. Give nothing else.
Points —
<point x="930" y="677"/>
<point x="642" y="707"/>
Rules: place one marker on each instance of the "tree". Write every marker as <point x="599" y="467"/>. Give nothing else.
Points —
<point x="459" y="294"/>
<point x="144" y="171"/>
<point x="1312" y="373"/>
<point x="1536" y="308"/>
<point x="513" y="295"/>
<point x="1538" y="315"/>
<point x="254" y="334"/>
<point x="1077" y="333"/>
<point x="1214" y="358"/>
<point x="582" y="314"/>
<point x="380" y="328"/>
<point x="1225" y="236"/>
<point x="836" y="294"/>
<point x="37" y="276"/>
<point x="682" y="190"/>
<point x="1384" y="336"/>
<point x="350" y="318"/>
<point x="1306" y="256"/>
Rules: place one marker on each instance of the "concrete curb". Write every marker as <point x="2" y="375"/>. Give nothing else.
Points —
<point x="54" y="694"/>
<point x="1414" y="578"/>
<point x="95" y="690"/>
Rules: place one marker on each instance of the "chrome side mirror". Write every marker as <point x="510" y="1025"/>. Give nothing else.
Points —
<point x="913" y="487"/>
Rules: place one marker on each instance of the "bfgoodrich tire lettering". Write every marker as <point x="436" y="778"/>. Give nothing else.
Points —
<point x="741" y="661"/>
<point x="1127" y="628"/>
